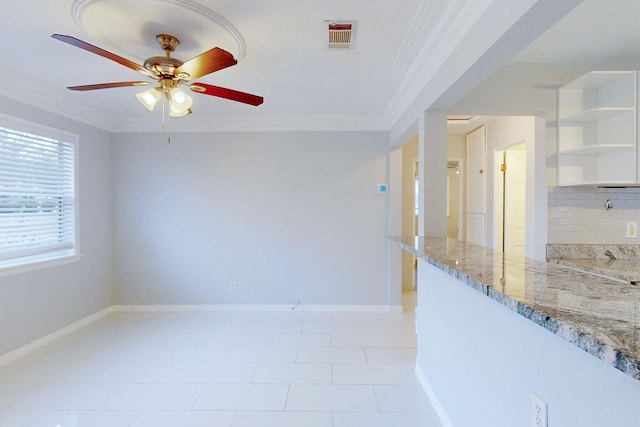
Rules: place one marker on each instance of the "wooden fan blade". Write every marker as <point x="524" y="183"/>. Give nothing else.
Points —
<point x="108" y="85"/>
<point x="98" y="51"/>
<point x="212" y="60"/>
<point x="222" y="92"/>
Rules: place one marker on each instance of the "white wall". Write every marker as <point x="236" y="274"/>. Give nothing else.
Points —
<point x="487" y="360"/>
<point x="287" y="215"/>
<point x="510" y="130"/>
<point x="34" y="304"/>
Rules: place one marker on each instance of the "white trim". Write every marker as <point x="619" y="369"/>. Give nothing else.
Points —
<point x="435" y="402"/>
<point x="172" y="308"/>
<point x="46" y="262"/>
<point x="47" y="339"/>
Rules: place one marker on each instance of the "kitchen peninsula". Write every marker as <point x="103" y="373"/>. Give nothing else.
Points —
<point x="493" y="329"/>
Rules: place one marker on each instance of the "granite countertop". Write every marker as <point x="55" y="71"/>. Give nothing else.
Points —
<point x="624" y="266"/>
<point x="624" y="270"/>
<point x="598" y="315"/>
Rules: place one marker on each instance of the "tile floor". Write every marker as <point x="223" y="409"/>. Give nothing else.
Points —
<point x="223" y="369"/>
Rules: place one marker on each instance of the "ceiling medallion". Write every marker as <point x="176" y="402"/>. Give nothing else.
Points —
<point x="195" y="25"/>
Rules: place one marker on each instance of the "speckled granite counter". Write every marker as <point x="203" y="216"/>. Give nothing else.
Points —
<point x="624" y="266"/>
<point x="600" y="316"/>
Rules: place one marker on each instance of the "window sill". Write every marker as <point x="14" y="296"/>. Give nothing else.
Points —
<point x="36" y="263"/>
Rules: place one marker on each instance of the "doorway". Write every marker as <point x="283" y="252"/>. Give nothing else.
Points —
<point x="510" y="195"/>
<point x="455" y="199"/>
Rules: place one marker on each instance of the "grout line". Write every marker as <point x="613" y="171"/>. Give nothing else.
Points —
<point x="204" y="386"/>
<point x="286" y="400"/>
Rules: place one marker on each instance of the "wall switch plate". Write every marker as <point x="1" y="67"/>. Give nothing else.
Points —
<point x="233" y="287"/>
<point x="539" y="412"/>
<point x="632" y="230"/>
<point x="382" y="188"/>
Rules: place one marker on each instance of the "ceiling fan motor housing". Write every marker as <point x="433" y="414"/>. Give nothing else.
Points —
<point x="162" y="65"/>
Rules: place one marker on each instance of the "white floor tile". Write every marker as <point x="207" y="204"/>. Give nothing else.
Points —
<point x="137" y="373"/>
<point x="86" y="419"/>
<point x="192" y="355"/>
<point x="373" y="374"/>
<point x="65" y="396"/>
<point x="255" y="397"/>
<point x="283" y="419"/>
<point x="292" y="373"/>
<point x="184" y="419"/>
<point x="391" y="355"/>
<point x="223" y="373"/>
<point x="154" y="397"/>
<point x="236" y="340"/>
<point x="357" y="398"/>
<point x="362" y="340"/>
<point x="386" y="328"/>
<point x="405" y="340"/>
<point x="262" y="355"/>
<point x="284" y="327"/>
<point x="299" y="340"/>
<point x="32" y="373"/>
<point x="223" y="369"/>
<point x="402" y="398"/>
<point x="346" y="327"/>
<point x="330" y="355"/>
<point x="352" y="419"/>
<point x="18" y="418"/>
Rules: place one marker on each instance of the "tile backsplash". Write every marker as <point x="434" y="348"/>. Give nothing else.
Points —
<point x="578" y="214"/>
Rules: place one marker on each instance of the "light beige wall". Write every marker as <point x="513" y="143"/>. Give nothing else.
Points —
<point x="457" y="149"/>
<point x="452" y="219"/>
<point x="456" y="146"/>
<point x="409" y="154"/>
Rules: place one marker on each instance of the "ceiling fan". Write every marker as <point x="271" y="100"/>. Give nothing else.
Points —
<point x="169" y="74"/>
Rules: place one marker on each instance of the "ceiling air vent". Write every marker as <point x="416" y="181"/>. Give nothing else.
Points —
<point x="341" y="34"/>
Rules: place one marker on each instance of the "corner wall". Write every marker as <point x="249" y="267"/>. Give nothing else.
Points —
<point x="36" y="303"/>
<point x="288" y="216"/>
<point x="484" y="361"/>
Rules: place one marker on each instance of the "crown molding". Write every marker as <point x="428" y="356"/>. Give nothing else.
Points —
<point x="455" y="22"/>
<point x="204" y="123"/>
<point x="45" y="99"/>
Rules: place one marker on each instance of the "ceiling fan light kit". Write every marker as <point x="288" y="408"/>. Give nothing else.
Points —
<point x="169" y="73"/>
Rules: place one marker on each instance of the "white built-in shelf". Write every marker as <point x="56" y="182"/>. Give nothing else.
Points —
<point x="597" y="149"/>
<point x="595" y="114"/>
<point x="597" y="80"/>
<point x="597" y="138"/>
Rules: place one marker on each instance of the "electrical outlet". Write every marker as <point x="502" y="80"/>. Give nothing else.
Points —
<point x="233" y="287"/>
<point x="632" y="230"/>
<point x="539" y="412"/>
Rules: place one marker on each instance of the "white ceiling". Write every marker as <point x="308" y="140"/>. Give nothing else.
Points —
<point x="280" y="45"/>
<point x="281" y="48"/>
<point x="596" y="35"/>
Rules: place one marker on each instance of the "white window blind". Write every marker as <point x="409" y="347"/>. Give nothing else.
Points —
<point x="37" y="194"/>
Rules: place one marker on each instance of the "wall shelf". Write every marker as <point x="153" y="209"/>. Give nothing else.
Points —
<point x="597" y="136"/>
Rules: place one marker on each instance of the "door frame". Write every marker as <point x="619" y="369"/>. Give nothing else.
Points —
<point x="498" y="199"/>
<point x="462" y="209"/>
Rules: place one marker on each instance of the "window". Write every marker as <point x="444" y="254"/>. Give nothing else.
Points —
<point x="37" y="193"/>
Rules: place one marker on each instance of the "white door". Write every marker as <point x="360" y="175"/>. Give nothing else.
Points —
<point x="515" y="200"/>
<point x="476" y="187"/>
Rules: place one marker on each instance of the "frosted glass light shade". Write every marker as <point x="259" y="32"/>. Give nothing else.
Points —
<point x="178" y="112"/>
<point x="149" y="98"/>
<point x="179" y="99"/>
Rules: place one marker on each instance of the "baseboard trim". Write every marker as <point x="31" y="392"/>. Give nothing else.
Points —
<point x="47" y="339"/>
<point x="255" y="307"/>
<point x="435" y="402"/>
